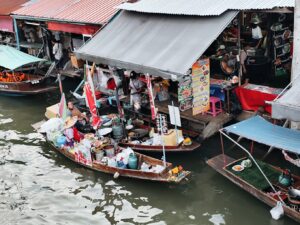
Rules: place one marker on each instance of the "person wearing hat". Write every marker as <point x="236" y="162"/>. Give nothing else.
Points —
<point x="71" y="133"/>
<point x="221" y="50"/>
<point x="257" y="36"/>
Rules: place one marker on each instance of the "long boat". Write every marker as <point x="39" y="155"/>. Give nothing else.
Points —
<point x="53" y="110"/>
<point x="262" y="180"/>
<point x="13" y="81"/>
<point x="217" y="163"/>
<point x="159" y="148"/>
<point x="31" y="85"/>
<point x="165" y="176"/>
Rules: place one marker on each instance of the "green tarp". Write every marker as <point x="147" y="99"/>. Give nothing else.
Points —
<point x="254" y="177"/>
<point x="11" y="58"/>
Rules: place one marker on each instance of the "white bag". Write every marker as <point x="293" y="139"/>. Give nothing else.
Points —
<point x="52" y="125"/>
<point x="277" y="212"/>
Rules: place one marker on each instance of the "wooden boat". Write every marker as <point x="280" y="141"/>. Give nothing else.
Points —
<point x="13" y="80"/>
<point x="290" y="209"/>
<point x="164" y="176"/>
<point x="31" y="85"/>
<point x="159" y="148"/>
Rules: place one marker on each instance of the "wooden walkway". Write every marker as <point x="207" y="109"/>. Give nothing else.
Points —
<point x="205" y="124"/>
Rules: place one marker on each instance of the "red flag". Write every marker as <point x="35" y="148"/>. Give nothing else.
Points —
<point x="150" y="92"/>
<point x="62" y="109"/>
<point x="92" y="105"/>
<point x="60" y="83"/>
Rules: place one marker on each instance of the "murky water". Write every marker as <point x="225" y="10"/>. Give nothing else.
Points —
<point x="37" y="186"/>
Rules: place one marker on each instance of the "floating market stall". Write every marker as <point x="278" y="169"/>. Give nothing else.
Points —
<point x="102" y="154"/>
<point x="199" y="77"/>
<point x="270" y="184"/>
<point x="13" y="80"/>
<point x="158" y="56"/>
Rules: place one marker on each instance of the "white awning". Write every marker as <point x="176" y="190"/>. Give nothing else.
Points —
<point x="161" y="45"/>
<point x="202" y="7"/>
<point x="288" y="105"/>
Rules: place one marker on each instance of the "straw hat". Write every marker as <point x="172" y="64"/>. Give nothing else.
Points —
<point x="70" y="122"/>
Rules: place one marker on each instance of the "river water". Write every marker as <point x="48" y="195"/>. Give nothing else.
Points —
<point x="37" y="186"/>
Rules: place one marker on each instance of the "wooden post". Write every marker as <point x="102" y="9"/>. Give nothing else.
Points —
<point x="16" y="33"/>
<point x="296" y="51"/>
<point x="296" y="42"/>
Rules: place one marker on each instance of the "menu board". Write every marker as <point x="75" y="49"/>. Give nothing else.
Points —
<point x="200" y="86"/>
<point x="185" y="93"/>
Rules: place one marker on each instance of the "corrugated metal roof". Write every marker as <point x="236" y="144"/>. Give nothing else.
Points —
<point x="80" y="11"/>
<point x="8" y="6"/>
<point x="202" y="7"/>
<point x="156" y="44"/>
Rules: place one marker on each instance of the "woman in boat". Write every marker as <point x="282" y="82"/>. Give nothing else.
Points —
<point x="291" y="160"/>
<point x="71" y="132"/>
<point x="82" y="123"/>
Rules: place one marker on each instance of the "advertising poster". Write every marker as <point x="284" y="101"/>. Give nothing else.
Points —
<point x="185" y="94"/>
<point x="200" y="86"/>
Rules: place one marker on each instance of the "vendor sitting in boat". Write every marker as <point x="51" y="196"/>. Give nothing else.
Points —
<point x="74" y="111"/>
<point x="291" y="160"/>
<point x="70" y="131"/>
<point x="82" y="123"/>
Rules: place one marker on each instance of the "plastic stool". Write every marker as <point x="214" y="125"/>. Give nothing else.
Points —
<point x="214" y="108"/>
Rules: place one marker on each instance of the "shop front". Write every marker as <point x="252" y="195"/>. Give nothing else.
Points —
<point x="6" y="30"/>
<point x="178" y="72"/>
<point x="211" y="76"/>
<point x="7" y="35"/>
<point x="54" y="30"/>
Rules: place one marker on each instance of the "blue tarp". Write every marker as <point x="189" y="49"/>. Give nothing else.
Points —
<point x="261" y="131"/>
<point x="11" y="58"/>
<point x="217" y="91"/>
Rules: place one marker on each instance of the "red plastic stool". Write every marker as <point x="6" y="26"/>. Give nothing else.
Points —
<point x="214" y="108"/>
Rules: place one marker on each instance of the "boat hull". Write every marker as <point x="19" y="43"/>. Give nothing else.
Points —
<point x="137" y="174"/>
<point x="218" y="162"/>
<point x="35" y="85"/>
<point x="159" y="148"/>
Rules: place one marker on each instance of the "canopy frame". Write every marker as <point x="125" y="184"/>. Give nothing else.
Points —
<point x="222" y="133"/>
<point x="12" y="59"/>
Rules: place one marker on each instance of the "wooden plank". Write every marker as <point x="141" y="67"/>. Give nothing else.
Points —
<point x="188" y="114"/>
<point x="218" y="162"/>
<point x="37" y="126"/>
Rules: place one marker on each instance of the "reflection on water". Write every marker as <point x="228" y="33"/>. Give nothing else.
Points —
<point x="37" y="186"/>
